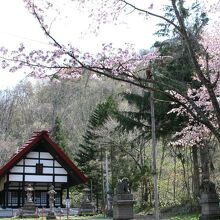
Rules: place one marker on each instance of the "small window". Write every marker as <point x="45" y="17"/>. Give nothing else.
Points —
<point x="39" y="168"/>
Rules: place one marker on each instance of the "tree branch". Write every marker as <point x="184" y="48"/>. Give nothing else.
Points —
<point x="152" y="14"/>
<point x="204" y="80"/>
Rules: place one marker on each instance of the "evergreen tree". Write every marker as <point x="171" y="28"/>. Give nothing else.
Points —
<point x="90" y="154"/>
<point x="58" y="135"/>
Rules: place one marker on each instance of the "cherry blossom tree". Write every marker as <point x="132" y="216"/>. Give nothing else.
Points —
<point x="197" y="132"/>
<point x="66" y="61"/>
<point x="197" y="135"/>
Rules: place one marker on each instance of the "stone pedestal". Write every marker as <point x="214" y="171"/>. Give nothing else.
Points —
<point x="123" y="206"/>
<point x="86" y="207"/>
<point x="51" y="215"/>
<point x="123" y="201"/>
<point x="209" y="206"/>
<point x="209" y="202"/>
<point x="28" y="210"/>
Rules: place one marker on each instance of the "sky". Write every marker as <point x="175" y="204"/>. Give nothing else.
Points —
<point x="18" y="25"/>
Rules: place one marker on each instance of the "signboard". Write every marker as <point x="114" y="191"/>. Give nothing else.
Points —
<point x="68" y="201"/>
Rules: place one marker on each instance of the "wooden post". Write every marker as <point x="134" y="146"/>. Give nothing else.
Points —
<point x="61" y="197"/>
<point x="3" y="198"/>
<point x="107" y="183"/>
<point x="67" y="197"/>
<point x="19" y="194"/>
<point x="6" y="199"/>
<point x="23" y="182"/>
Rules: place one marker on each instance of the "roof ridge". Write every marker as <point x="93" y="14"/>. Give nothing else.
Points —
<point x="41" y="132"/>
<point x="30" y="140"/>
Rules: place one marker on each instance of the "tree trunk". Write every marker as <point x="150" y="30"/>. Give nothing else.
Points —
<point x="195" y="177"/>
<point x="185" y="177"/>
<point x="103" y="184"/>
<point x="187" y="172"/>
<point x="174" y="180"/>
<point x="204" y="157"/>
<point x="154" y="158"/>
<point x="142" y="194"/>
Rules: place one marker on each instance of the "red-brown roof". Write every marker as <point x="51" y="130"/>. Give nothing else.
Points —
<point x="28" y="146"/>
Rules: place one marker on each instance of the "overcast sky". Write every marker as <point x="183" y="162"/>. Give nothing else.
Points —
<point x="17" y="26"/>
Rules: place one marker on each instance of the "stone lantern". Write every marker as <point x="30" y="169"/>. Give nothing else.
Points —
<point x="123" y="201"/>
<point x="29" y="208"/>
<point x="86" y="207"/>
<point x="51" y="193"/>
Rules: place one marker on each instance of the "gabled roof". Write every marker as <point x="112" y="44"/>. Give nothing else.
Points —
<point x="73" y="170"/>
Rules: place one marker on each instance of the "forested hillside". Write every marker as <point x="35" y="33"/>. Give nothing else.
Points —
<point x="28" y="107"/>
<point x="103" y="121"/>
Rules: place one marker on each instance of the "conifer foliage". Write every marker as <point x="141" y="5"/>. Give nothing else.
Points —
<point x="90" y="154"/>
<point x="59" y="136"/>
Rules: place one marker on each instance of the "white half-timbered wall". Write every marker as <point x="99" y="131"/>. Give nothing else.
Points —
<point x="25" y="170"/>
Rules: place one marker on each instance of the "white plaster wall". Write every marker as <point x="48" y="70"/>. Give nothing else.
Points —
<point x="32" y="154"/>
<point x="47" y="170"/>
<point x="30" y="169"/>
<point x="57" y="164"/>
<point x="46" y="162"/>
<point x="15" y="177"/>
<point x="45" y="155"/>
<point x="16" y="169"/>
<point x="61" y="179"/>
<point x="60" y="171"/>
<point x="38" y="178"/>
<point x="31" y="161"/>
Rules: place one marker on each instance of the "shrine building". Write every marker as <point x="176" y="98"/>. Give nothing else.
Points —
<point x="41" y="163"/>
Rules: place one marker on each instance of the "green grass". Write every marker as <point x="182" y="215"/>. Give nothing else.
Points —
<point x="99" y="217"/>
<point x="62" y="218"/>
<point x="185" y="217"/>
<point x="89" y="217"/>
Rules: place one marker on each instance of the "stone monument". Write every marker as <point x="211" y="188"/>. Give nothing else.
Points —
<point x="209" y="201"/>
<point x="29" y="208"/>
<point x="52" y="193"/>
<point x="86" y="207"/>
<point x="123" y="201"/>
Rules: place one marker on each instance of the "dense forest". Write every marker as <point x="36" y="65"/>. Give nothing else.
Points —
<point x="106" y="122"/>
